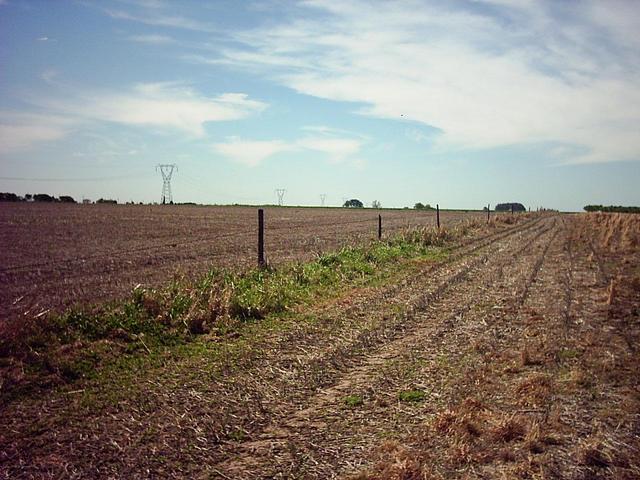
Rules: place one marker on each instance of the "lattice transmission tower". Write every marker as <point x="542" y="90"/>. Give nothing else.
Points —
<point x="323" y="197"/>
<point x="280" y="193"/>
<point x="166" y="171"/>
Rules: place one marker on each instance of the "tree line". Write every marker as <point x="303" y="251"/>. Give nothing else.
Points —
<point x="35" y="197"/>
<point x="612" y="209"/>
<point x="44" y="198"/>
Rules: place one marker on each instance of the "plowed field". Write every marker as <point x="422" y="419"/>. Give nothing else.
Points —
<point x="52" y="256"/>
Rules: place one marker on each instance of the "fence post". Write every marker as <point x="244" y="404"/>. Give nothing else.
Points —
<point x="261" y="261"/>
<point x="379" y="227"/>
<point x="488" y="211"/>
<point x="512" y="209"/>
<point x="438" y="215"/>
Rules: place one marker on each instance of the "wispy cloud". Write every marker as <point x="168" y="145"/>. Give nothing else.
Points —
<point x="49" y="75"/>
<point x="152" y="39"/>
<point x="146" y="3"/>
<point x="160" y="19"/>
<point x="157" y="105"/>
<point x="336" y="149"/>
<point x="21" y="131"/>
<point x="253" y="152"/>
<point x="501" y="73"/>
<point x="250" y="152"/>
<point x="46" y="39"/>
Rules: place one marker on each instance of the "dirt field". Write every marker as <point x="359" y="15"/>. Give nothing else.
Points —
<point x="52" y="256"/>
<point x="516" y="357"/>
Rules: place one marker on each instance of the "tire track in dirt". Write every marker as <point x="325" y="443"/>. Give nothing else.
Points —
<point x="302" y="362"/>
<point x="290" y="438"/>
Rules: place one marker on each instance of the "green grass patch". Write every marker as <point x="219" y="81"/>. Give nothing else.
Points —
<point x="353" y="401"/>
<point x="569" y="353"/>
<point x="412" y="396"/>
<point x="74" y="344"/>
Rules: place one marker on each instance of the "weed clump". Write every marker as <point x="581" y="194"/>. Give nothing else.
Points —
<point x="353" y="401"/>
<point x="412" y="396"/>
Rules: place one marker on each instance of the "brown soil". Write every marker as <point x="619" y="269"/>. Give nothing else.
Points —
<point x="53" y="256"/>
<point x="515" y="358"/>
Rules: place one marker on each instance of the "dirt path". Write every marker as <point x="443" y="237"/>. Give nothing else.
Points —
<point x="317" y="398"/>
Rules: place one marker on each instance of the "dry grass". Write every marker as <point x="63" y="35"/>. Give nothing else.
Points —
<point x="617" y="232"/>
<point x="394" y="461"/>
<point x="563" y="402"/>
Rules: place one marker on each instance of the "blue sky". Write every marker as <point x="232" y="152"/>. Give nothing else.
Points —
<point x="460" y="103"/>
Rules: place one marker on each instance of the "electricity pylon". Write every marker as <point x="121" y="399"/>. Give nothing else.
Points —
<point x="166" y="171"/>
<point x="280" y="193"/>
<point x="323" y="197"/>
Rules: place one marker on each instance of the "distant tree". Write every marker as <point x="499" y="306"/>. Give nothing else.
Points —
<point x="353" y="203"/>
<point x="612" y="208"/>
<point x="43" y="197"/>
<point x="422" y="206"/>
<point x="67" y="199"/>
<point x="106" y="200"/>
<point x="28" y="197"/>
<point x="376" y="204"/>
<point x="506" y="207"/>
<point x="9" y="197"/>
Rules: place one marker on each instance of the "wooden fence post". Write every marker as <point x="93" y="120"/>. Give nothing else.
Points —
<point x="438" y="215"/>
<point x="488" y="212"/>
<point x="261" y="261"/>
<point x="379" y="227"/>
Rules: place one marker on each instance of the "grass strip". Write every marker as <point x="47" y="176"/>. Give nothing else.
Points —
<point x="83" y="341"/>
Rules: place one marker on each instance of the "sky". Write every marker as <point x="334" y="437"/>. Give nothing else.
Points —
<point x="461" y="103"/>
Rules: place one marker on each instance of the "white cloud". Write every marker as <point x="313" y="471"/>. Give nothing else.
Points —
<point x="157" y="105"/>
<point x="251" y="152"/>
<point x="337" y="149"/>
<point x="528" y="72"/>
<point x="49" y="75"/>
<point x="152" y="39"/>
<point x="21" y="131"/>
<point x="152" y="17"/>
<point x="147" y="3"/>
<point x="416" y="135"/>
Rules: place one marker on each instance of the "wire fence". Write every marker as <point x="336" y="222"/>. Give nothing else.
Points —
<point x="92" y="266"/>
<point x="212" y="240"/>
